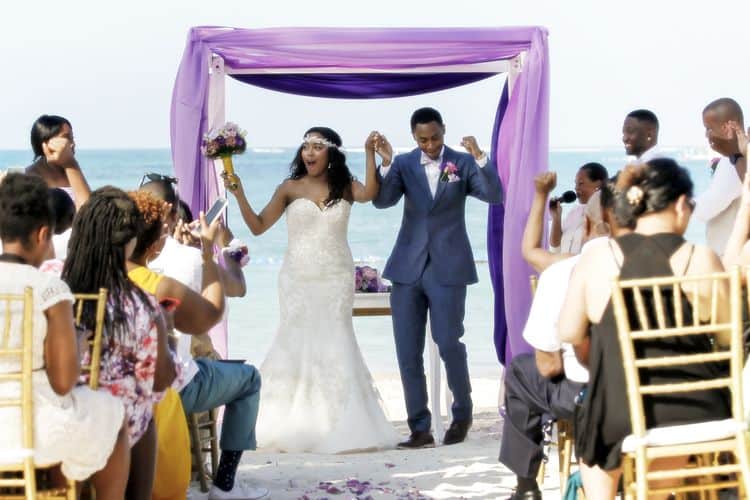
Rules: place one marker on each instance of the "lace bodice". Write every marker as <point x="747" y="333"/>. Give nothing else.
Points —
<point x="317" y="238"/>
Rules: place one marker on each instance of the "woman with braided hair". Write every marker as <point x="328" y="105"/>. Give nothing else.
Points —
<point x="136" y="363"/>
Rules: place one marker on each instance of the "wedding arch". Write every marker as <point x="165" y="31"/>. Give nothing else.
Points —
<point x="373" y="63"/>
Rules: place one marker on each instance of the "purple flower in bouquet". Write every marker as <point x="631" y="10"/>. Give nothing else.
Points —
<point x="225" y="141"/>
<point x="450" y="173"/>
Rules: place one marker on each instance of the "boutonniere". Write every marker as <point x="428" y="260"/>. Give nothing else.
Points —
<point x="450" y="173"/>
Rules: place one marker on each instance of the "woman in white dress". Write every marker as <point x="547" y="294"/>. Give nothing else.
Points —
<point x="82" y="428"/>
<point x="318" y="395"/>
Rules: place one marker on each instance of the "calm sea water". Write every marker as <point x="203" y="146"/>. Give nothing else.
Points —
<point x="372" y="232"/>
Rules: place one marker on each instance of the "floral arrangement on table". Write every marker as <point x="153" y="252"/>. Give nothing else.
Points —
<point x="450" y="173"/>
<point x="366" y="280"/>
<point x="227" y="140"/>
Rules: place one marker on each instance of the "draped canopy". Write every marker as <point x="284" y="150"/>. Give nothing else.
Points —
<point x="366" y="63"/>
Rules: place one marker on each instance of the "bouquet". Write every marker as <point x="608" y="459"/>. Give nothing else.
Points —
<point x="366" y="280"/>
<point x="224" y="142"/>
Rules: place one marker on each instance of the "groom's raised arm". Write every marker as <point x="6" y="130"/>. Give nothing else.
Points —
<point x="391" y="184"/>
<point x="483" y="180"/>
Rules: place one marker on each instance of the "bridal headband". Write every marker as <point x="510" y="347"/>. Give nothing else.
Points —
<point x="316" y="139"/>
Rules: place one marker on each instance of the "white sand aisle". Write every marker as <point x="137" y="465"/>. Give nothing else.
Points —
<point x="467" y="470"/>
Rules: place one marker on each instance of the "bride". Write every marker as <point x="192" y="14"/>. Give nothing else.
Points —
<point x="318" y="395"/>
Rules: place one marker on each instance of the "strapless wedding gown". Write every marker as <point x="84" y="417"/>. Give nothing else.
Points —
<point x="317" y="393"/>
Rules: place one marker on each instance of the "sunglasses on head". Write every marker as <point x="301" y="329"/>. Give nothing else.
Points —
<point x="154" y="177"/>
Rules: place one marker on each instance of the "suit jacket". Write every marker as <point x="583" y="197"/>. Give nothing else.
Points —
<point x="435" y="227"/>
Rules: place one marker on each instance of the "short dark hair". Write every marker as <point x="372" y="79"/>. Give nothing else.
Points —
<point x="727" y="109"/>
<point x="64" y="209"/>
<point x="595" y="171"/>
<point x="161" y="187"/>
<point x="644" y="115"/>
<point x="425" y="115"/>
<point x="184" y="212"/>
<point x="45" y="128"/>
<point x="24" y="207"/>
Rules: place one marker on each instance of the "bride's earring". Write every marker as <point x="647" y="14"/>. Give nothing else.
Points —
<point x="329" y="166"/>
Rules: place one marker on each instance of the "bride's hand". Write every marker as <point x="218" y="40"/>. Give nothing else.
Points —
<point x="60" y="152"/>
<point x="232" y="183"/>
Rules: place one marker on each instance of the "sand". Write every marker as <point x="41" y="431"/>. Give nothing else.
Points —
<point x="466" y="470"/>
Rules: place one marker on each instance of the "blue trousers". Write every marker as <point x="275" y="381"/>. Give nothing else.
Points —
<point x="236" y="386"/>
<point x="410" y="304"/>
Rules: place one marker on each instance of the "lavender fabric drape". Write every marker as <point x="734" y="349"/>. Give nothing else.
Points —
<point x="339" y="54"/>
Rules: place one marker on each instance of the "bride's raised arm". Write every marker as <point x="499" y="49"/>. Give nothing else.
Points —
<point x="259" y="223"/>
<point x="369" y="190"/>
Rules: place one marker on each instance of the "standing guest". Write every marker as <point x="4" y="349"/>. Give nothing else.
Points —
<point x="54" y="157"/>
<point x="718" y="205"/>
<point x="658" y="196"/>
<point x="136" y="363"/>
<point x="83" y="429"/>
<point x="567" y="236"/>
<point x="431" y="263"/>
<point x="640" y="134"/>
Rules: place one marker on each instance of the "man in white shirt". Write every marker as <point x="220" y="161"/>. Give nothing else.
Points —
<point x="545" y="384"/>
<point x="640" y="134"/>
<point x="718" y="205"/>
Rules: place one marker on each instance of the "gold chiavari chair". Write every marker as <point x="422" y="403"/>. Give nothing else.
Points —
<point x="93" y="367"/>
<point x="203" y="439"/>
<point x="18" y="469"/>
<point x="668" y="320"/>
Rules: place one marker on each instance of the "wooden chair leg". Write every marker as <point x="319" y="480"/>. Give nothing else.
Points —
<point x="195" y="449"/>
<point x="213" y="415"/>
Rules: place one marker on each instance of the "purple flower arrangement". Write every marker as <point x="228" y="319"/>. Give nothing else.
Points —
<point x="450" y="173"/>
<point x="366" y="280"/>
<point x="224" y="141"/>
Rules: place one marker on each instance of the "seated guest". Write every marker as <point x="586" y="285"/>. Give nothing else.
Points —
<point x="136" y="363"/>
<point x="640" y="134"/>
<point x="64" y="210"/>
<point x="208" y="384"/>
<point x="54" y="157"/>
<point x="658" y="196"/>
<point x="546" y="384"/>
<point x="81" y="428"/>
<point x="717" y="206"/>
<point x="567" y="237"/>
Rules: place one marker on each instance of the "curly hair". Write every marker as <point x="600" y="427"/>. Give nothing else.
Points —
<point x="25" y="206"/>
<point x="339" y="176"/>
<point x="102" y="228"/>
<point x="153" y="212"/>
<point x="650" y="187"/>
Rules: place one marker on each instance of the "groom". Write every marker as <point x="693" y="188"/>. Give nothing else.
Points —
<point x="432" y="262"/>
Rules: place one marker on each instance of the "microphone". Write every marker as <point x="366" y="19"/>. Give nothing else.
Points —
<point x="566" y="197"/>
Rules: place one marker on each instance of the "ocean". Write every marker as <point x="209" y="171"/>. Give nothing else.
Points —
<point x="253" y="319"/>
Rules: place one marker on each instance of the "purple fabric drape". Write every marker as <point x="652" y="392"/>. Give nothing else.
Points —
<point x="361" y="86"/>
<point x="351" y="63"/>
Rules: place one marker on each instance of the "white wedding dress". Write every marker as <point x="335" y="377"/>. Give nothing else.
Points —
<point x="317" y="393"/>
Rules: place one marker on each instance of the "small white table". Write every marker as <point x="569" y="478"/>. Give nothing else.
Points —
<point x="379" y="304"/>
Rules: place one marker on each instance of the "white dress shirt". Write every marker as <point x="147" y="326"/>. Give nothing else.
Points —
<point x="718" y="205"/>
<point x="650" y="154"/>
<point x="541" y="330"/>
<point x="572" y="230"/>
<point x="432" y="168"/>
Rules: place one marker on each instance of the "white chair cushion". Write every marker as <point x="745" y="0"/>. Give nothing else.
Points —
<point x="685" y="434"/>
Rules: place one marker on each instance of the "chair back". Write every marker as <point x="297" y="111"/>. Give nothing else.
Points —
<point x="93" y="366"/>
<point x="654" y="312"/>
<point x="11" y="303"/>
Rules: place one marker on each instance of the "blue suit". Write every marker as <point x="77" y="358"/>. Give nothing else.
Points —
<point x="430" y="266"/>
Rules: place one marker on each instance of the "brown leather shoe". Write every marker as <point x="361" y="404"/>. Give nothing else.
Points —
<point x="418" y="439"/>
<point x="457" y="432"/>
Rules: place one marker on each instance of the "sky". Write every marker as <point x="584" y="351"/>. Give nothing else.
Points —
<point x="109" y="67"/>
